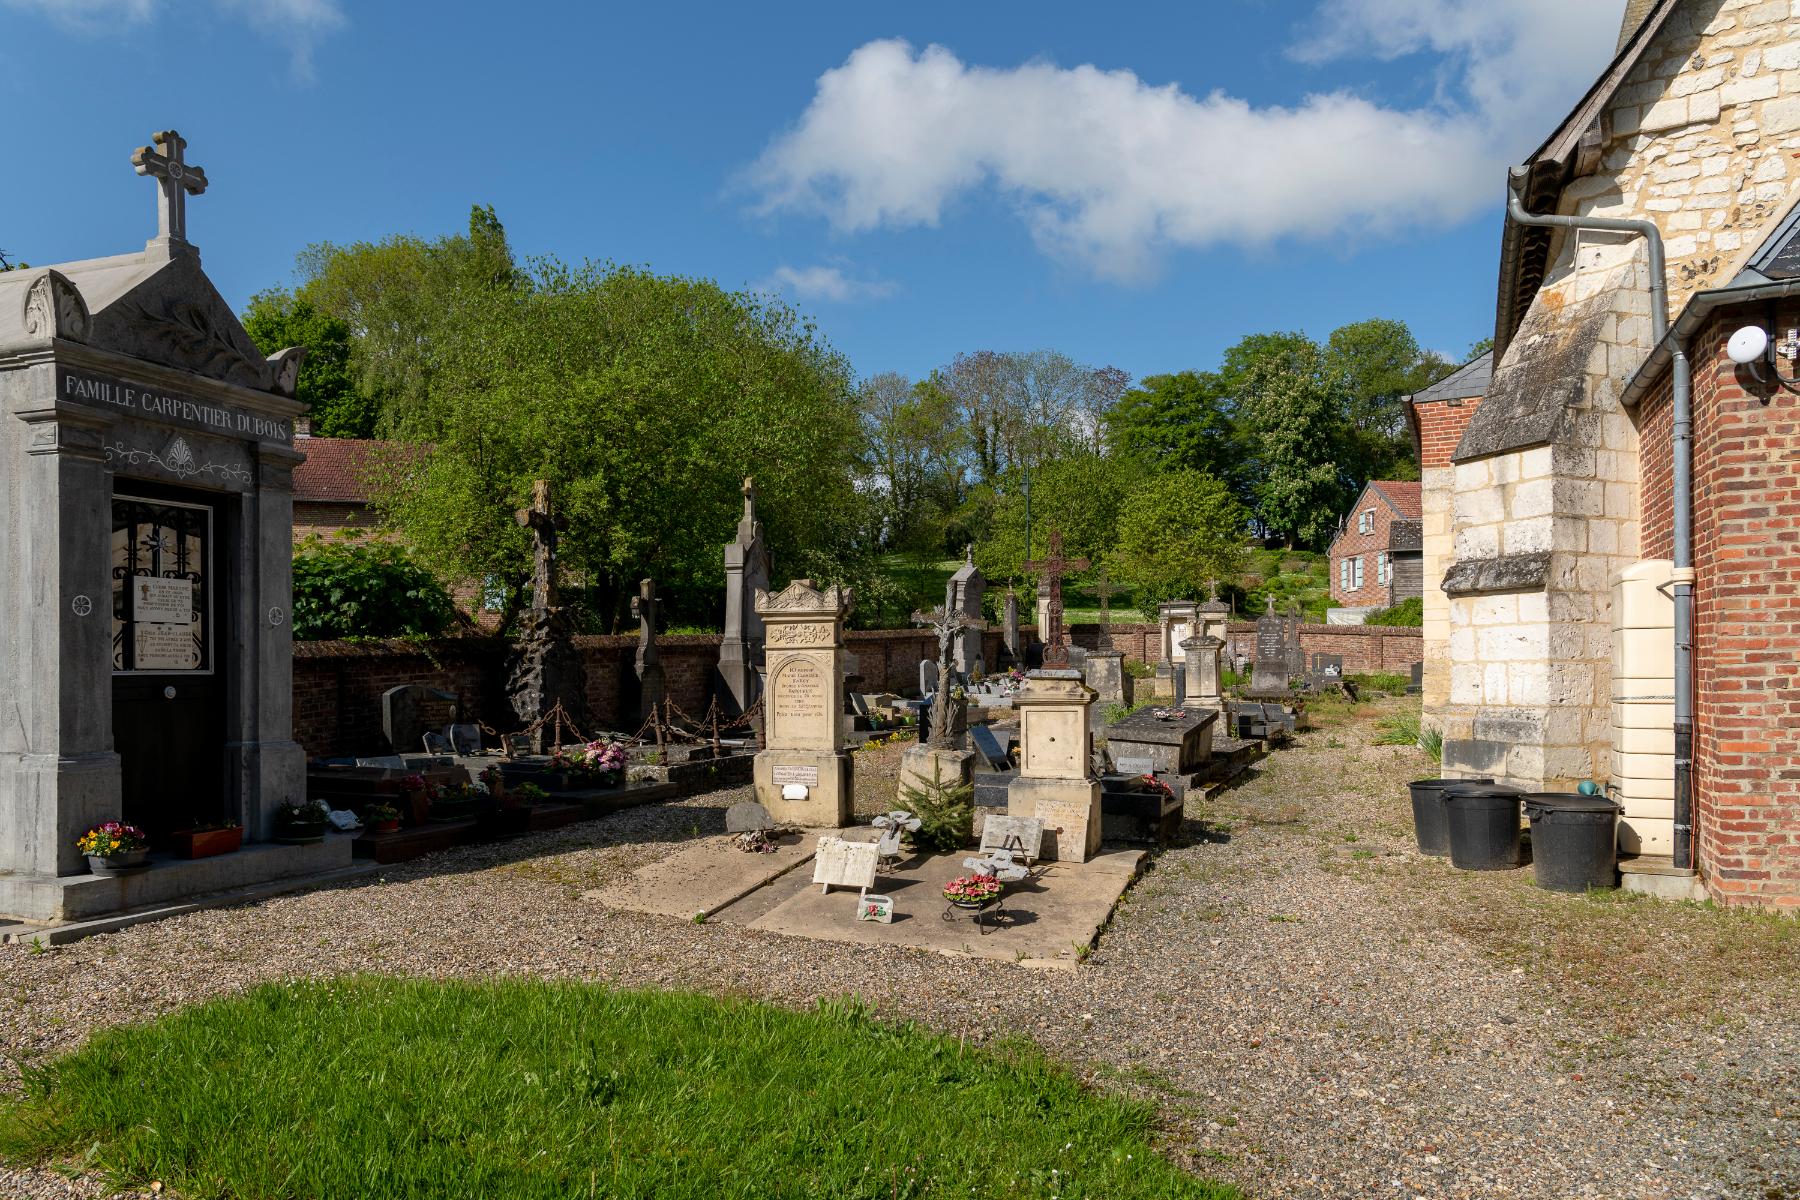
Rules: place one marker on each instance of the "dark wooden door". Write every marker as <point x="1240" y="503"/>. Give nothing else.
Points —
<point x="168" y="645"/>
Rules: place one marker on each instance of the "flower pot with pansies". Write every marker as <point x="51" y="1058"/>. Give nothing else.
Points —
<point x="382" y="818"/>
<point x="115" y="848"/>
<point x="300" y="824"/>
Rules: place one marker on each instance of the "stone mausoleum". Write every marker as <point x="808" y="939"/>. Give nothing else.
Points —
<point x="146" y="462"/>
<point x="1616" y="532"/>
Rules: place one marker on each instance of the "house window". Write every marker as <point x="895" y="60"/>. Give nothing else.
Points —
<point x="1366" y="522"/>
<point x="1344" y="574"/>
<point x="1356" y="576"/>
<point x="1384" y="570"/>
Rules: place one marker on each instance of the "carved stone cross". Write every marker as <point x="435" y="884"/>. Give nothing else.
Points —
<point x="167" y="161"/>
<point x="946" y="622"/>
<point x="643" y="610"/>
<point x="1105" y="589"/>
<point x="1052" y="567"/>
<point x="544" y="524"/>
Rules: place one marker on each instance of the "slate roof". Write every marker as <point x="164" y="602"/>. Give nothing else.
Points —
<point x="1468" y="382"/>
<point x="335" y="470"/>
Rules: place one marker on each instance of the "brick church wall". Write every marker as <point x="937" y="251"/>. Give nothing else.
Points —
<point x="1747" y="612"/>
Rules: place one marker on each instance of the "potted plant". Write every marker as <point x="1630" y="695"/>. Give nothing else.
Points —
<point x="382" y="818"/>
<point x="524" y="796"/>
<point x="297" y="824"/>
<point x="597" y="764"/>
<point x="115" y="848"/>
<point x="973" y="891"/>
<point x="416" y="797"/>
<point x="204" y="841"/>
<point x="454" y="803"/>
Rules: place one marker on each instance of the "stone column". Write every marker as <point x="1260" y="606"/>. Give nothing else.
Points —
<point x="803" y="777"/>
<point x="1056" y="782"/>
<point x="268" y="765"/>
<point x="1175" y="621"/>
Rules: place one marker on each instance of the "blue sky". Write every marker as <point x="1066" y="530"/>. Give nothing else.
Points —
<point x="1137" y="188"/>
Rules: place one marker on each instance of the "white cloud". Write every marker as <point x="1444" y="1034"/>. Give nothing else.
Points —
<point x="825" y="283"/>
<point x="1111" y="171"/>
<point x="298" y="23"/>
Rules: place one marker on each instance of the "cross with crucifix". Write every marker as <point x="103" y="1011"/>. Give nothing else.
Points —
<point x="544" y="525"/>
<point x="167" y="161"/>
<point x="643" y="611"/>
<point x="1052" y="567"/>
<point x="946" y="622"/>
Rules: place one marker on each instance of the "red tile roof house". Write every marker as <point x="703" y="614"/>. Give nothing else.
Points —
<point x="330" y="488"/>
<point x="1377" y="557"/>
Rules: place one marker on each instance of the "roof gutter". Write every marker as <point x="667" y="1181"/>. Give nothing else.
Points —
<point x="1682" y="472"/>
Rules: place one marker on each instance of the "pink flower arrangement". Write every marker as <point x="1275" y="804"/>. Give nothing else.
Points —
<point x="972" y="889"/>
<point x="114" y="837"/>
<point x="597" y="758"/>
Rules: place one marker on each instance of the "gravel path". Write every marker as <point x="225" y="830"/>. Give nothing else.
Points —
<point x="1317" y="1011"/>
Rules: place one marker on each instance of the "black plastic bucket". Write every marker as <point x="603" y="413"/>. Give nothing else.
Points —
<point x="1574" y="840"/>
<point x="1484" y="825"/>
<point x="1431" y="822"/>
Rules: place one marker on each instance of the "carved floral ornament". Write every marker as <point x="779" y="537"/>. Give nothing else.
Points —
<point x="801" y="596"/>
<point x="54" y="308"/>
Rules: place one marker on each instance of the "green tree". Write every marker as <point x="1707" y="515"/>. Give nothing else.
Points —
<point x="1180" y="422"/>
<point x="1293" y="416"/>
<point x="913" y="459"/>
<point x="365" y="589"/>
<point x="277" y="319"/>
<point x="645" y="400"/>
<point x="1079" y="495"/>
<point x="1176" y="532"/>
<point x="1380" y="364"/>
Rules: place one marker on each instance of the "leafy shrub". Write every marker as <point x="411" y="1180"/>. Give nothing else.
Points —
<point x="946" y="812"/>
<point x="365" y="589"/>
<point x="1407" y="612"/>
<point x="1401" y="730"/>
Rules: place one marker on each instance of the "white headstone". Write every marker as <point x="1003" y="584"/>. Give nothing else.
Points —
<point x="838" y="863"/>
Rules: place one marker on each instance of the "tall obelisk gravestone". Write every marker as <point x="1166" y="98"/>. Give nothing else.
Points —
<point x="746" y="574"/>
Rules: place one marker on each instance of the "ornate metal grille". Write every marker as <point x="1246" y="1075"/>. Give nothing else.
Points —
<point x="166" y="540"/>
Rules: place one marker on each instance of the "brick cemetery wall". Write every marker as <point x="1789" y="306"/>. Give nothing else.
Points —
<point x="1365" y="648"/>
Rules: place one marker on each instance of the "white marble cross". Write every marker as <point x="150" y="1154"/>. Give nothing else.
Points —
<point x="167" y="161"/>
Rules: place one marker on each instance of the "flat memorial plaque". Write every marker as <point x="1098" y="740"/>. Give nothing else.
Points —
<point x="781" y="776"/>
<point x="162" y="601"/>
<point x="837" y="863"/>
<point x="163" y="648"/>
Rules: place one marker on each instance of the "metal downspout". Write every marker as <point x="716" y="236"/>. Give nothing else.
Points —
<point x="1682" y="451"/>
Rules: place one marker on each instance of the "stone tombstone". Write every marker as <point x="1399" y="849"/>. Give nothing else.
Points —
<point x="747" y="816"/>
<point x="647" y="663"/>
<point x="962" y="596"/>
<point x="746" y="574"/>
<point x="1104" y="671"/>
<point x="1202" y="669"/>
<point x="803" y="775"/>
<point x="1269" y="672"/>
<point x="144" y="437"/>
<point x="412" y="710"/>
<point x="928" y="678"/>
<point x="1175" y="624"/>
<point x="1012" y="648"/>
<point x="1023" y="836"/>
<point x="1056" y="782"/>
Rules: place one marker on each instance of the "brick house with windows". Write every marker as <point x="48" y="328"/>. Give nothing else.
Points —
<point x="1375" y="558"/>
<point x="331" y="490"/>
<point x="1622" y="583"/>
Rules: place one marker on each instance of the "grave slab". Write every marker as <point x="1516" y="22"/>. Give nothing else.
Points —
<point x="1178" y="746"/>
<point x="707" y="876"/>
<point x="1056" y="914"/>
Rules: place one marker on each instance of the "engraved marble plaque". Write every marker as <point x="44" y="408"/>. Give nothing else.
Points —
<point x="164" y="648"/>
<point x="808" y="776"/>
<point x="162" y="601"/>
<point x="837" y="863"/>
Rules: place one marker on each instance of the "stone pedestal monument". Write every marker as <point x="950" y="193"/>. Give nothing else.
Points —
<point x="1175" y="621"/>
<point x="803" y="777"/>
<point x="746" y="574"/>
<point x="146" y="547"/>
<point x="1056" y="780"/>
<point x="1202" y="667"/>
<point x="1214" y="618"/>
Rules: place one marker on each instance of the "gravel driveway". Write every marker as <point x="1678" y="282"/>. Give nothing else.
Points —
<point x="1318" y="1011"/>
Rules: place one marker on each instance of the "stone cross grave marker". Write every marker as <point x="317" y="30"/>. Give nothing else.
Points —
<point x="544" y="525"/>
<point x="547" y="681"/>
<point x="947" y="624"/>
<point x="838" y="863"/>
<point x="648" y="663"/>
<point x="166" y="161"/>
<point x="1104" y="588"/>
<point x="1052" y="567"/>
<point x="741" y="649"/>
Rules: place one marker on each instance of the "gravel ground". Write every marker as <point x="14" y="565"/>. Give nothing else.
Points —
<point x="1317" y="1011"/>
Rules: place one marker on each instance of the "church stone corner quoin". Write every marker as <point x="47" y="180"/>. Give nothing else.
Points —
<point x="145" y="571"/>
<point x="1700" y="136"/>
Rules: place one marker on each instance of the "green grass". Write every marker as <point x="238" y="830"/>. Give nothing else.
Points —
<point x="1402" y="729"/>
<point x="390" y="1088"/>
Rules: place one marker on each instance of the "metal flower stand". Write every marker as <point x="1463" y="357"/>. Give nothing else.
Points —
<point x="999" y="865"/>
